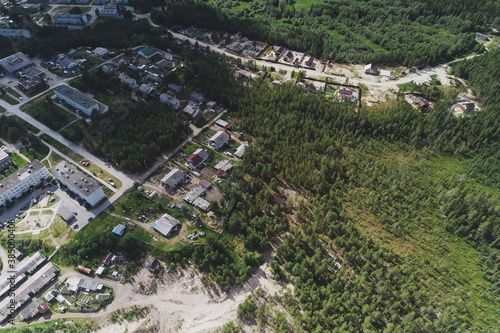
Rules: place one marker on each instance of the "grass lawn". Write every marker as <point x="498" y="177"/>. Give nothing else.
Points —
<point x="13" y="92"/>
<point x="62" y="148"/>
<point x="9" y="99"/>
<point x="18" y="160"/>
<point x="2" y="109"/>
<point x="51" y="115"/>
<point x="36" y="154"/>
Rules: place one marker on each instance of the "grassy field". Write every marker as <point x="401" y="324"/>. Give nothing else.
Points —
<point x="36" y="154"/>
<point x="13" y="92"/>
<point x="18" y="160"/>
<point x="67" y="9"/>
<point x="51" y="115"/>
<point x="9" y="99"/>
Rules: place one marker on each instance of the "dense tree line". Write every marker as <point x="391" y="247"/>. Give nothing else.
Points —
<point x="50" y="40"/>
<point x="134" y="135"/>
<point x="409" y="32"/>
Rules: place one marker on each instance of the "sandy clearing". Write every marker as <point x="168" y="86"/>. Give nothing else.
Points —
<point x="182" y="304"/>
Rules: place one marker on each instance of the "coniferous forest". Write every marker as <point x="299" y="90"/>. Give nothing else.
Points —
<point x="355" y="31"/>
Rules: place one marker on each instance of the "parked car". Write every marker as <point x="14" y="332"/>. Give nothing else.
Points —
<point x="75" y="213"/>
<point x="89" y="219"/>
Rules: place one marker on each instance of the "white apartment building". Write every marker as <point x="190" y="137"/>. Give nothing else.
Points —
<point x="77" y="100"/>
<point x="87" y="188"/>
<point x="21" y="181"/>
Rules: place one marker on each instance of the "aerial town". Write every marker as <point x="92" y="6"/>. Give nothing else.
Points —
<point x="159" y="174"/>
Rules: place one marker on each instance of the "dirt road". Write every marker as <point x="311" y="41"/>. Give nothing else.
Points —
<point x="182" y="304"/>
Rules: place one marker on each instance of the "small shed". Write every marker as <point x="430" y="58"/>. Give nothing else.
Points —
<point x="119" y="230"/>
<point x="100" y="271"/>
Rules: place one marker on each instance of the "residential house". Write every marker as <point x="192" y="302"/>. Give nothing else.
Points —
<point x="482" y="36"/>
<point x="190" y="32"/>
<point x="236" y="47"/>
<point x="211" y="105"/>
<point x="170" y="100"/>
<point x="278" y="49"/>
<point x="148" y="90"/>
<point x="154" y="265"/>
<point x="191" y="196"/>
<point x="198" y="157"/>
<point x="289" y="56"/>
<point x="198" y="98"/>
<point x="241" y="150"/>
<point x="245" y="75"/>
<point x="127" y="80"/>
<point x="108" y="70"/>
<point x="100" y="52"/>
<point x="173" y="178"/>
<point x="201" y="204"/>
<point x="68" y="63"/>
<point x="223" y="165"/>
<point x="164" y="64"/>
<point x="165" y="225"/>
<point x="348" y="94"/>
<point x="193" y="111"/>
<point x="219" y="139"/>
<point x="175" y="88"/>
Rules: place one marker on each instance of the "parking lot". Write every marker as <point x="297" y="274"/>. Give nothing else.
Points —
<point x="34" y="217"/>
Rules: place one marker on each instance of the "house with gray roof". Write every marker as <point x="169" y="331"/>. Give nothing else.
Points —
<point x="165" y="225"/>
<point x="127" y="80"/>
<point x="219" y="139"/>
<point x="173" y="178"/>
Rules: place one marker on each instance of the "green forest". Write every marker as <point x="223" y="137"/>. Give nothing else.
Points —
<point x="356" y="31"/>
<point x="391" y="217"/>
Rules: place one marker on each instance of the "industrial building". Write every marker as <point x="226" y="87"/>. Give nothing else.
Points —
<point x="15" y="62"/>
<point x="85" y="187"/>
<point x="21" y="181"/>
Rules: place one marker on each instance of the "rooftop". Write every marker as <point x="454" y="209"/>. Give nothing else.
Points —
<point x="15" y="62"/>
<point x="78" y="181"/>
<point x="147" y="52"/>
<point x="20" y="175"/>
<point x="165" y="224"/>
<point x="77" y="97"/>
